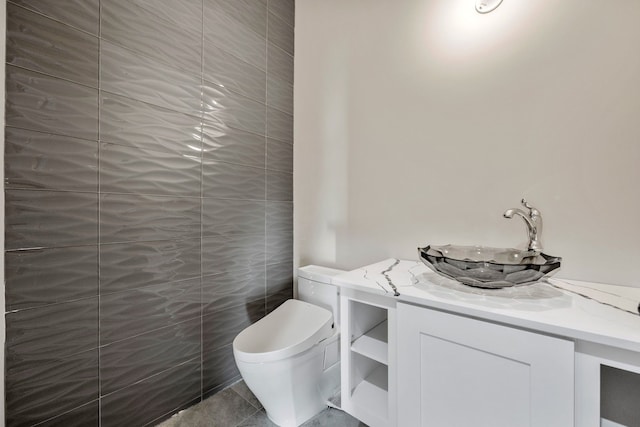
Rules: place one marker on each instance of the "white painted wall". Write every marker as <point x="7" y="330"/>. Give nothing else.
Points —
<point x="420" y="121"/>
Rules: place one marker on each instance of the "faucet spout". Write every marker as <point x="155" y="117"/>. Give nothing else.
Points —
<point x="533" y="221"/>
<point x="509" y="213"/>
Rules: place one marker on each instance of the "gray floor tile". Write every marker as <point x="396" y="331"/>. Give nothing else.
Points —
<point x="229" y="408"/>
<point x="327" y="418"/>
<point x="241" y="388"/>
<point x="226" y="409"/>
<point x="171" y="422"/>
<point x="192" y="417"/>
<point x="333" y="418"/>
<point x="259" y="419"/>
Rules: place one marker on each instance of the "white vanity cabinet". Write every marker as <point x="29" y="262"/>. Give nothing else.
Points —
<point x="536" y="356"/>
<point x="457" y="371"/>
<point x="368" y="357"/>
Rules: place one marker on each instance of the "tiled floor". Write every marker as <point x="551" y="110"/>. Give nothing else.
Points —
<point x="236" y="406"/>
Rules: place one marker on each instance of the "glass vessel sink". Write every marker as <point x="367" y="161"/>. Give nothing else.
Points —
<point x="486" y="267"/>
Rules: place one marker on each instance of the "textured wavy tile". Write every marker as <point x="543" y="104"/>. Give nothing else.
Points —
<point x="221" y="327"/>
<point x="81" y="14"/>
<point x="225" y="32"/>
<point x="87" y="415"/>
<point x="276" y="299"/>
<point x="133" y="170"/>
<point x="51" y="387"/>
<point x="279" y="186"/>
<point x="284" y="9"/>
<point x="44" y="45"/>
<point x="136" y="76"/>
<point x="129" y="122"/>
<point x="227" y="217"/>
<point x="148" y="400"/>
<point x="232" y="109"/>
<point x="188" y="15"/>
<point x="233" y="73"/>
<point x="235" y="288"/>
<point x="279" y="156"/>
<point x="131" y="360"/>
<point x="50" y="218"/>
<point x="218" y="368"/>
<point x="47" y="276"/>
<point x="48" y="104"/>
<point x="279" y="247"/>
<point x="279" y="125"/>
<point x="279" y="217"/>
<point x="279" y="277"/>
<point x="142" y="30"/>
<point x="250" y="13"/>
<point x="51" y="332"/>
<point x="280" y="94"/>
<point x="231" y="181"/>
<point x="280" y="33"/>
<point x="132" y="265"/>
<point x="228" y="253"/>
<point x="35" y="160"/>
<point x="235" y="59"/>
<point x="128" y="217"/>
<point x="129" y="313"/>
<point x="279" y="63"/>
<point x="227" y="144"/>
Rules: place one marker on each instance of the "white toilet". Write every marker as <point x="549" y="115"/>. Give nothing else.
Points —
<point x="290" y="359"/>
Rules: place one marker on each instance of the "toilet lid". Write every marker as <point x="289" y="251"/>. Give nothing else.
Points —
<point x="290" y="329"/>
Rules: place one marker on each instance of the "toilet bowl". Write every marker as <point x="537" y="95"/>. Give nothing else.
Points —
<point x="290" y="359"/>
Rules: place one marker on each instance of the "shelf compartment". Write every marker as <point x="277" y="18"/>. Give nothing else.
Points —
<point x="367" y="379"/>
<point x="619" y="390"/>
<point x="372" y="393"/>
<point x="373" y="344"/>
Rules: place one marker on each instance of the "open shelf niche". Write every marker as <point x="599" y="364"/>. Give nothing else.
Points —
<point x="368" y="359"/>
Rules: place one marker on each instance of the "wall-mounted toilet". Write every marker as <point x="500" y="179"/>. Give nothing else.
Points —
<point x="290" y="359"/>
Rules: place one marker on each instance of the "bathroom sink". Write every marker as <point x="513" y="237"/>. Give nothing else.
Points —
<point x="486" y="267"/>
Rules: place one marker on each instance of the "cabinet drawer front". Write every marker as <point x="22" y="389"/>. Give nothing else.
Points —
<point x="458" y="371"/>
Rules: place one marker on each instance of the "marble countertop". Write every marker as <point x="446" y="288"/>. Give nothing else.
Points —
<point x="544" y="307"/>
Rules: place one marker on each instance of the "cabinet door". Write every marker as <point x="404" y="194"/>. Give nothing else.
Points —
<point x="456" y="371"/>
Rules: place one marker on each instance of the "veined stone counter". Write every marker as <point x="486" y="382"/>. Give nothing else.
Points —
<point x="542" y="307"/>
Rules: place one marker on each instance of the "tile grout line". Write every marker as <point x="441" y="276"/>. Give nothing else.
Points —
<point x="99" y="216"/>
<point x="266" y="158"/>
<point x="53" y="76"/>
<point x="44" y="15"/>
<point x="155" y="375"/>
<point x="152" y="105"/>
<point x="163" y="107"/>
<point x="202" y="201"/>
<point x="232" y="390"/>
<point x="248" y="417"/>
<point x="247" y="400"/>
<point x="40" y="423"/>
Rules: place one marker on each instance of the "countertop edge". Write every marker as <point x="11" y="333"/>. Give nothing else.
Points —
<point x="358" y="280"/>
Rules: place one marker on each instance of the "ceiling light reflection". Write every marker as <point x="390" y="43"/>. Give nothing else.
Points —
<point x="455" y="32"/>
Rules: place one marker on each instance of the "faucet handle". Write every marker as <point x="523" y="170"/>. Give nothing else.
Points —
<point x="533" y="221"/>
<point x="533" y="212"/>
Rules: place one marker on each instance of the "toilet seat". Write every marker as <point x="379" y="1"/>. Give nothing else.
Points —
<point x="290" y="329"/>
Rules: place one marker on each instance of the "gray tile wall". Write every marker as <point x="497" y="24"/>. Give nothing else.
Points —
<point x="148" y="200"/>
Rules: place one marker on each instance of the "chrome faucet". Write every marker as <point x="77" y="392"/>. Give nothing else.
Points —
<point x="533" y="220"/>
